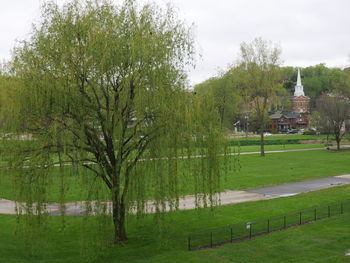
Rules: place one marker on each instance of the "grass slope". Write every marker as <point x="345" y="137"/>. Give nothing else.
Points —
<point x="256" y="148"/>
<point x="322" y="241"/>
<point x="255" y="171"/>
<point x="279" y="168"/>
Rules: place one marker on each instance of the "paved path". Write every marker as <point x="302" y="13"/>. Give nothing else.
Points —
<point x="291" y="189"/>
<point x="293" y="150"/>
<point x="281" y="151"/>
<point x="188" y="202"/>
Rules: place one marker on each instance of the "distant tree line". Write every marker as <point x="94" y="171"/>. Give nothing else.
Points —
<point x="256" y="86"/>
<point x="226" y="89"/>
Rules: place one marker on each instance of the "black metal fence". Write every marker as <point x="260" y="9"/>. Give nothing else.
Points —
<point x="241" y="231"/>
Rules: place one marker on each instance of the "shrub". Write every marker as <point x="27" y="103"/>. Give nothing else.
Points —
<point x="267" y="142"/>
<point x="309" y="132"/>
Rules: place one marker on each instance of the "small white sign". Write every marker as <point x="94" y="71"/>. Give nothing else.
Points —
<point x="248" y="225"/>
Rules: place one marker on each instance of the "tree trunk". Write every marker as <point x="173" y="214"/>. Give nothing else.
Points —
<point x="262" y="144"/>
<point x="338" y="142"/>
<point x="119" y="220"/>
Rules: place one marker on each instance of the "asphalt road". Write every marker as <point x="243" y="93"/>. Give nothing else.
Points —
<point x="301" y="187"/>
<point x="189" y="201"/>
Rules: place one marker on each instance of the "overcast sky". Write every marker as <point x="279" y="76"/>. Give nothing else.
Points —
<point x="309" y="31"/>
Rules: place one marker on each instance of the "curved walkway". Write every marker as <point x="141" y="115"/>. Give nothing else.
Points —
<point x="188" y="202"/>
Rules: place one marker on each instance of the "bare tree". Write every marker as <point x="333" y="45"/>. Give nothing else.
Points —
<point x="259" y="74"/>
<point x="333" y="111"/>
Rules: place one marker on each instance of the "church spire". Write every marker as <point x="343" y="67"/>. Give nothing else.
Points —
<point x="299" y="79"/>
<point x="299" y="89"/>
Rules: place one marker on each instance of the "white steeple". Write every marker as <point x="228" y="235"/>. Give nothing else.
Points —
<point x="299" y="89"/>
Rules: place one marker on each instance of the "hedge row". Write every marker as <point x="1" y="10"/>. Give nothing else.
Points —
<point x="267" y="142"/>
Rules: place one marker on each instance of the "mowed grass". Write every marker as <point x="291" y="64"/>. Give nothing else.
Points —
<point x="75" y="189"/>
<point x="279" y="168"/>
<point x="284" y="137"/>
<point x="322" y="241"/>
<point x="256" y="148"/>
<point x="252" y="171"/>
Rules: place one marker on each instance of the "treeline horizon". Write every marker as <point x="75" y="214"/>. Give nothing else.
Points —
<point x="224" y="88"/>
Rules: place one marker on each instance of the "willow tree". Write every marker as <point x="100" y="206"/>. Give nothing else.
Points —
<point x="105" y="86"/>
<point x="225" y="96"/>
<point x="259" y="76"/>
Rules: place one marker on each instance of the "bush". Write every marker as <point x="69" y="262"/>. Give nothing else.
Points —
<point x="309" y="132"/>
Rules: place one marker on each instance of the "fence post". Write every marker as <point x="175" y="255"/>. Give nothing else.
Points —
<point x="211" y="239"/>
<point x="341" y="208"/>
<point x="268" y="225"/>
<point x="250" y="230"/>
<point x="231" y="235"/>
<point x="189" y="242"/>
<point x="300" y="218"/>
<point x="329" y="211"/>
<point x="315" y="213"/>
<point x="285" y="222"/>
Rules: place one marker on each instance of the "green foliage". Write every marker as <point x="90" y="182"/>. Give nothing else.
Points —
<point x="258" y="73"/>
<point x="280" y="140"/>
<point x="317" y="80"/>
<point x="224" y="92"/>
<point x="103" y="86"/>
<point x="289" y="78"/>
<point x="309" y="132"/>
<point x="267" y="142"/>
<point x="8" y="86"/>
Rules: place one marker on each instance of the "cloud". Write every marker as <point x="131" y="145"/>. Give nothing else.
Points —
<point x="309" y="31"/>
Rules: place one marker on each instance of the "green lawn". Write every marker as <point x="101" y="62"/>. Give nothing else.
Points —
<point x="279" y="168"/>
<point x="256" y="148"/>
<point x="254" y="171"/>
<point x="322" y="241"/>
<point x="285" y="137"/>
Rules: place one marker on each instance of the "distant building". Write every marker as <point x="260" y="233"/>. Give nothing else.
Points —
<point x="301" y="103"/>
<point x="292" y="121"/>
<point x="299" y="118"/>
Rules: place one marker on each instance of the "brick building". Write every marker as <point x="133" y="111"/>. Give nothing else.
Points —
<point x="292" y="121"/>
<point x="299" y="118"/>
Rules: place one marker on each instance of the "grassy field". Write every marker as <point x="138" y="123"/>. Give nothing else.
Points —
<point x="325" y="241"/>
<point x="256" y="148"/>
<point x="242" y="149"/>
<point x="166" y="241"/>
<point x="322" y="241"/>
<point x="278" y="168"/>
<point x="254" y="171"/>
<point x="285" y="137"/>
